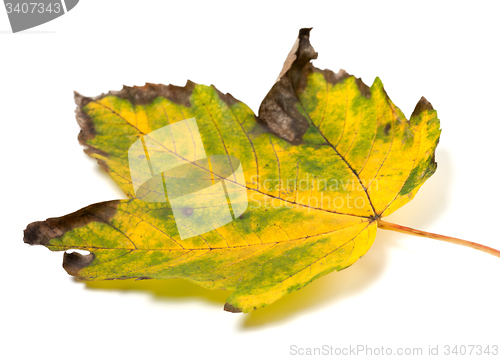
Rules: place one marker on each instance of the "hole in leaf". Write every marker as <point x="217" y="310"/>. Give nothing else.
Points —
<point x="83" y="252"/>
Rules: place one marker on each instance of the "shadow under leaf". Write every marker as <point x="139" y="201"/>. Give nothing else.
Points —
<point x="164" y="289"/>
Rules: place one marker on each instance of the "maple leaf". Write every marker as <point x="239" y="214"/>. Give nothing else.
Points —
<point x="325" y="159"/>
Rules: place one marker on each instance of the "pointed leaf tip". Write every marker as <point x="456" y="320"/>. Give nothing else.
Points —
<point x="278" y="111"/>
<point x="305" y="51"/>
<point x="41" y="232"/>
<point x="422" y="105"/>
<point x="33" y="235"/>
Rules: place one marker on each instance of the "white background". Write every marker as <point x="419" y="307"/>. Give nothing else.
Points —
<point x="406" y="292"/>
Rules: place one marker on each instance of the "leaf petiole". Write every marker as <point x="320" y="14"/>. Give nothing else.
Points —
<point x="416" y="232"/>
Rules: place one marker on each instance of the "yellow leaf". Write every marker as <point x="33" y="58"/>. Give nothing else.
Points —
<point x="287" y="196"/>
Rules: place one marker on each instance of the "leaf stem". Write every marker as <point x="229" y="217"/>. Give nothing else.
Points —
<point x="416" y="232"/>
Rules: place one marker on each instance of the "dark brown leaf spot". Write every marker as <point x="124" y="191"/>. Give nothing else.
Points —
<point x="422" y="105"/>
<point x="42" y="232"/>
<point x="74" y="262"/>
<point x="232" y="309"/>
<point x="228" y="99"/>
<point x="363" y="88"/>
<point x="387" y="129"/>
<point x="333" y="78"/>
<point x="143" y="95"/>
<point x="278" y="111"/>
<point x="86" y="124"/>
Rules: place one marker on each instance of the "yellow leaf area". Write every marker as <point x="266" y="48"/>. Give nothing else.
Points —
<point x="360" y="156"/>
<point x="312" y="205"/>
<point x="262" y="255"/>
<point x="390" y="156"/>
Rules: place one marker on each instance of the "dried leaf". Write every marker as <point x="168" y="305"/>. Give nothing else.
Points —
<point x="325" y="159"/>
